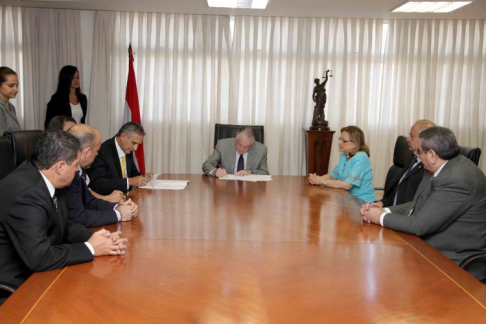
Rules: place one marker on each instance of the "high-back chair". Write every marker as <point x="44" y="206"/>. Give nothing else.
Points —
<point x="23" y="144"/>
<point x="222" y="131"/>
<point x="7" y="161"/>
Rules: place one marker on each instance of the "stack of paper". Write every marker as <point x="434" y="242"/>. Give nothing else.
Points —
<point x="166" y="184"/>
<point x="251" y="177"/>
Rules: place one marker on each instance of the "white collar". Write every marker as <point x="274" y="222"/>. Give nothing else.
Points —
<point x="436" y="173"/>
<point x="119" y="150"/>
<point x="50" y="186"/>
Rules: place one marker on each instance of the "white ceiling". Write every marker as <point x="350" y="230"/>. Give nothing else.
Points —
<point x="288" y="8"/>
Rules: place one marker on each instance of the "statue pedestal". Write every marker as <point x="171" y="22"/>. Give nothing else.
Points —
<point x="318" y="149"/>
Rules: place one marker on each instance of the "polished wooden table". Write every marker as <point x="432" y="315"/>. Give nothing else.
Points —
<point x="241" y="252"/>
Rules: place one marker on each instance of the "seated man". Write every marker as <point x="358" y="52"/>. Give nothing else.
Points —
<point x="402" y="187"/>
<point x="114" y="167"/>
<point x="448" y="210"/>
<point x="83" y="207"/>
<point x="35" y="232"/>
<point x="240" y="156"/>
<point x="61" y="122"/>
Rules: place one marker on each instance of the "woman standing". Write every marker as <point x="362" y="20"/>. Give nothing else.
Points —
<point x="9" y="87"/>
<point x="68" y="99"/>
<point x="353" y="172"/>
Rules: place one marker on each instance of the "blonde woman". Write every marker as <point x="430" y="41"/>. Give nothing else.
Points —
<point x="353" y="172"/>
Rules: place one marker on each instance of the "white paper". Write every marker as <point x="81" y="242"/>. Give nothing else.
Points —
<point x="166" y="184"/>
<point x="251" y="177"/>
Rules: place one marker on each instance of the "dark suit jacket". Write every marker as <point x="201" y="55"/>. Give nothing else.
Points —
<point x="59" y="105"/>
<point x="450" y="210"/>
<point x="408" y="187"/>
<point x="105" y="172"/>
<point x="86" y="209"/>
<point x="33" y="236"/>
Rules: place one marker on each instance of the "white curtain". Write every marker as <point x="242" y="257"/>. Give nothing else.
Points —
<point x="51" y="38"/>
<point x="433" y="69"/>
<point x="181" y="66"/>
<point x="274" y="63"/>
<point x="11" y="52"/>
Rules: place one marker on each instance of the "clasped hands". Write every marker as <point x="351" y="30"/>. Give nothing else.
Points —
<point x="141" y="180"/>
<point x="315" y="179"/>
<point x="371" y="212"/>
<point x="106" y="243"/>
<point x="128" y="209"/>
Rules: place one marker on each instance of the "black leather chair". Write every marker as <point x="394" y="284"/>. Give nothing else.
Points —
<point x="222" y="131"/>
<point x="7" y="161"/>
<point x="23" y="143"/>
<point x="400" y="156"/>
<point x="472" y="154"/>
<point x="476" y="263"/>
<point x="5" y="292"/>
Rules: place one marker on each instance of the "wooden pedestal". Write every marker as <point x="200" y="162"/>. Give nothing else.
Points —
<point x="318" y="146"/>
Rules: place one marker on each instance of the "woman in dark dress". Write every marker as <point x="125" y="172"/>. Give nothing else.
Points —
<point x="68" y="99"/>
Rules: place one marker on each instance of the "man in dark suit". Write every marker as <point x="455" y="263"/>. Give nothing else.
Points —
<point x="83" y="207"/>
<point x="114" y="167"/>
<point x="449" y="208"/>
<point x="35" y="232"/>
<point x="401" y="188"/>
<point x="240" y="156"/>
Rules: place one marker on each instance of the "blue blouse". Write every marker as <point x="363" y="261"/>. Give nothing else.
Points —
<point x="356" y="171"/>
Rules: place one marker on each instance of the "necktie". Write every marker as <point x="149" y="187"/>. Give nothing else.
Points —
<point x="123" y="164"/>
<point x="83" y="176"/>
<point x="54" y="202"/>
<point x="410" y="167"/>
<point x="241" y="163"/>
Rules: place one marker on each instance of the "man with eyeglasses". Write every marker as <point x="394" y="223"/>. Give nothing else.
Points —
<point x="448" y="210"/>
<point x="402" y="187"/>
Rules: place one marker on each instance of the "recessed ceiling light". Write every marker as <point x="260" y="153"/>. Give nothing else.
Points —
<point x="243" y="4"/>
<point x="431" y="6"/>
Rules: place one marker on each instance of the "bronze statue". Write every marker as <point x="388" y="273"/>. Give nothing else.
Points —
<point x="319" y="96"/>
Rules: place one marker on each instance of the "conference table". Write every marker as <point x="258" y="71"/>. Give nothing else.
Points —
<point x="281" y="251"/>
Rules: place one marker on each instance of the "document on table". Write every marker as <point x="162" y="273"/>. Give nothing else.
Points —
<point x="166" y="184"/>
<point x="251" y="177"/>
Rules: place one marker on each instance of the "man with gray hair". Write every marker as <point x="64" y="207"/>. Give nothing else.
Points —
<point x="402" y="187"/>
<point x="449" y="208"/>
<point x="114" y="168"/>
<point x="83" y="207"/>
<point x="240" y="156"/>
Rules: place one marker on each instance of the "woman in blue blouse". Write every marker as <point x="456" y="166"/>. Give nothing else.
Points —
<point x="353" y="172"/>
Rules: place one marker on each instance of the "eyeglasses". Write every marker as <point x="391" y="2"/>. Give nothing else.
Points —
<point x="343" y="140"/>
<point x="418" y="152"/>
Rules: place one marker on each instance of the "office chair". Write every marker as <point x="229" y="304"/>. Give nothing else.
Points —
<point x="7" y="161"/>
<point x="478" y="260"/>
<point x="222" y="131"/>
<point x="472" y="154"/>
<point x="5" y="292"/>
<point x="400" y="155"/>
<point x="23" y="143"/>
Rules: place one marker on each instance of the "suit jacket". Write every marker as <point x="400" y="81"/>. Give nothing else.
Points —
<point x="105" y="172"/>
<point x="8" y="118"/>
<point x="59" y="105"/>
<point x="449" y="212"/>
<point x="86" y="209"/>
<point x="33" y="236"/>
<point x="408" y="187"/>
<point x="225" y="154"/>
